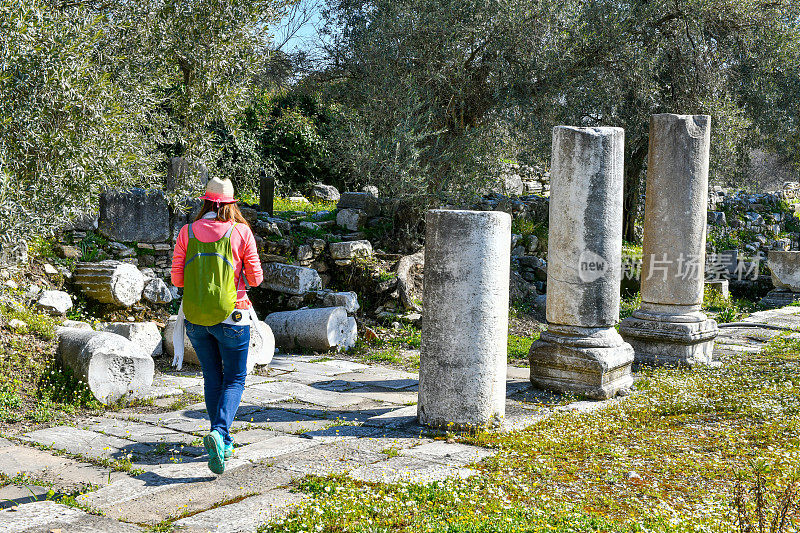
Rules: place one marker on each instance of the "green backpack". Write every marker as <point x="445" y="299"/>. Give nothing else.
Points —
<point x="209" y="291"/>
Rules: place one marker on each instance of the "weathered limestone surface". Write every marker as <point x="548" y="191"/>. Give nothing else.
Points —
<point x="110" y="364"/>
<point x="110" y="282"/>
<point x="362" y="201"/>
<point x="318" y="329"/>
<point x="581" y="351"/>
<point x="290" y="279"/>
<point x="47" y="516"/>
<point x="135" y="215"/>
<point x="350" y="249"/>
<point x="348" y="300"/>
<point x="785" y="268"/>
<point x="465" y="326"/>
<point x="55" y="302"/>
<point x="145" y="335"/>
<point x="669" y="327"/>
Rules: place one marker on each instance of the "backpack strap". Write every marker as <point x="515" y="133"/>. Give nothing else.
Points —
<point x="230" y="231"/>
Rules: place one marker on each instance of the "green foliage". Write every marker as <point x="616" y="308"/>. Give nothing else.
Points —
<point x="689" y="435"/>
<point x="519" y="347"/>
<point x="291" y="130"/>
<point x="60" y="385"/>
<point x="726" y="309"/>
<point x="629" y="304"/>
<point x="98" y="94"/>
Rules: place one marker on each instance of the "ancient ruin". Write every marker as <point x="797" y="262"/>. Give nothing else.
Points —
<point x="581" y="351"/>
<point x="669" y="327"/>
<point x="463" y="358"/>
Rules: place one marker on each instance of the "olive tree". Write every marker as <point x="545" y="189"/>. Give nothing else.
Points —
<point x="439" y="91"/>
<point x="100" y="94"/>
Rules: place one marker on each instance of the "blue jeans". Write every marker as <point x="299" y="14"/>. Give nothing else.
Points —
<point x="222" y="351"/>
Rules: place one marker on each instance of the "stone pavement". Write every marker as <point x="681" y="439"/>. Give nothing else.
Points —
<point x="310" y="415"/>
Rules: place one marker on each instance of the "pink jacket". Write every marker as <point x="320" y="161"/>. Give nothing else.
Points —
<point x="243" y="245"/>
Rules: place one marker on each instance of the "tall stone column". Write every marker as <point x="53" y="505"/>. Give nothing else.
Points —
<point x="581" y="350"/>
<point x="462" y="369"/>
<point x="669" y="328"/>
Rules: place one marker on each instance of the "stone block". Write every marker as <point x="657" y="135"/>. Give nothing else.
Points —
<point x="135" y="215"/>
<point x="362" y="201"/>
<point x="785" y="268"/>
<point x="144" y="335"/>
<point x="348" y="300"/>
<point x="327" y="193"/>
<point x="351" y="219"/>
<point x="350" y="250"/>
<point x="157" y="291"/>
<point x="111" y="365"/>
<point x="290" y="279"/>
<point x="54" y="302"/>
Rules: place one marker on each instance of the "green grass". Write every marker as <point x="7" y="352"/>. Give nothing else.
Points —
<point x="726" y="309"/>
<point x="690" y="436"/>
<point x="518" y="347"/>
<point x="284" y="205"/>
<point x="32" y="385"/>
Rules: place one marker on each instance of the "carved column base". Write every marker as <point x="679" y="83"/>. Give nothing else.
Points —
<point x="595" y="362"/>
<point x="669" y="339"/>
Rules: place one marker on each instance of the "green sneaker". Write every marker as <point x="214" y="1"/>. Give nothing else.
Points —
<point x="216" y="452"/>
<point x="228" y="450"/>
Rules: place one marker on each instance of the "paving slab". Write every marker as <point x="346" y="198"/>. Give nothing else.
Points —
<point x="383" y="378"/>
<point x="518" y="373"/>
<point x="66" y="475"/>
<point x="331" y="458"/>
<point x="192" y="419"/>
<point x="244" y="516"/>
<point x="196" y="491"/>
<point x="136" y="431"/>
<point x="88" y="443"/>
<point x="47" y="516"/>
<point x="337" y="385"/>
<point x="159" y="478"/>
<point x="11" y="495"/>
<point x="182" y="382"/>
<point x="451" y="454"/>
<point x="264" y="450"/>
<point x="307" y="394"/>
<point x="280" y="420"/>
<point x="405" y="416"/>
<point x="339" y="432"/>
<point x="396" y="397"/>
<point x="262" y="397"/>
<point x="409" y="469"/>
<point x="249" y="436"/>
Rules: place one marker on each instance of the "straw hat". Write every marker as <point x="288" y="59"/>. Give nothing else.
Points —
<point x="219" y="191"/>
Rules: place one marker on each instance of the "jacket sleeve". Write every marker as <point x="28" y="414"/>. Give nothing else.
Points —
<point x="250" y="259"/>
<point x="179" y="257"/>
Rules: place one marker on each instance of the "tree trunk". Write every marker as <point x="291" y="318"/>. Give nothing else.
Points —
<point x="634" y="169"/>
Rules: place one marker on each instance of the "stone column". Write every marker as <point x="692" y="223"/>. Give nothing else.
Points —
<point x="669" y="327"/>
<point x="581" y="350"/>
<point x="462" y="374"/>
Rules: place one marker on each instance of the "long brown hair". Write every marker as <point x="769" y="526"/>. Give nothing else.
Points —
<point x="225" y="212"/>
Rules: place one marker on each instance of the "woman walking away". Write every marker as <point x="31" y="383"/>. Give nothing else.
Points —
<point x="215" y="257"/>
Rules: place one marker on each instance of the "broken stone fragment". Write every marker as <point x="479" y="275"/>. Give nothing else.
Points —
<point x="317" y="329"/>
<point x="55" y="302"/>
<point x="110" y="282"/>
<point x="144" y="335"/>
<point x="111" y="365"/>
